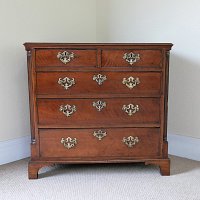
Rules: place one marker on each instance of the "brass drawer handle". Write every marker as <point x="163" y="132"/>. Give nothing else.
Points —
<point x="131" y="82"/>
<point x="66" y="82"/>
<point x="99" y="105"/>
<point x="100" y="134"/>
<point x="130" y="141"/>
<point x="130" y="109"/>
<point x="65" y="56"/>
<point x="68" y="142"/>
<point x="68" y="110"/>
<point x="99" y="78"/>
<point x="131" y="57"/>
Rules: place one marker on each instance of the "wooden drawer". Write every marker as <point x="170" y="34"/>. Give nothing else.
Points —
<point x="115" y="112"/>
<point x="147" y="143"/>
<point x="147" y="58"/>
<point x="84" y="83"/>
<point x="80" y="58"/>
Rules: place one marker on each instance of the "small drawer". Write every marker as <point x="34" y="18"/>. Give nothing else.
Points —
<point x="132" y="58"/>
<point x="108" y="142"/>
<point x="114" y="112"/>
<point x="95" y="83"/>
<point x="66" y="57"/>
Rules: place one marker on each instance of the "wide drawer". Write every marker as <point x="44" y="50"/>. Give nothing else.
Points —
<point x="131" y="58"/>
<point x="113" y="112"/>
<point x="66" y="57"/>
<point x="117" y="142"/>
<point x="84" y="83"/>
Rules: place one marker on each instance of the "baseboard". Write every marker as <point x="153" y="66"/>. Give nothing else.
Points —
<point x="184" y="146"/>
<point x="16" y="149"/>
<point x="179" y="145"/>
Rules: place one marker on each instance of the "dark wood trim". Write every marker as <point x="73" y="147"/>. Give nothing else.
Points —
<point x="99" y="51"/>
<point x="98" y="69"/>
<point x="35" y="166"/>
<point x="86" y="96"/>
<point x="164" y="165"/>
<point x="100" y="126"/>
<point x="166" y="89"/>
<point x="32" y="102"/>
<point x="30" y="45"/>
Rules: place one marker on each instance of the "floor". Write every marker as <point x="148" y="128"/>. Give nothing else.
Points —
<point x="102" y="182"/>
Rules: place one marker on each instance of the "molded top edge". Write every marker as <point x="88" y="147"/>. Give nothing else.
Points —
<point x="32" y="45"/>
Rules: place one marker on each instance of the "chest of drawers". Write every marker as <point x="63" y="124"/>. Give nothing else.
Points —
<point x="98" y="103"/>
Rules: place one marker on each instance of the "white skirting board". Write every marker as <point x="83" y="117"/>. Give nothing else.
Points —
<point x="19" y="148"/>
<point x="184" y="146"/>
<point x="16" y="149"/>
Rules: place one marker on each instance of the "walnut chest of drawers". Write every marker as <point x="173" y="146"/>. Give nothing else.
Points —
<point x="98" y="103"/>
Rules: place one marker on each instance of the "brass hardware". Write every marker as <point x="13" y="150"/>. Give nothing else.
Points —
<point x="131" y="57"/>
<point x="99" y="105"/>
<point x="28" y="53"/>
<point x="99" y="78"/>
<point x="66" y="82"/>
<point x="130" y="109"/>
<point x="100" y="134"/>
<point x="65" y="56"/>
<point x="67" y="110"/>
<point x="33" y="141"/>
<point x="168" y="53"/>
<point x="130" y="141"/>
<point x="68" y="142"/>
<point x="131" y="82"/>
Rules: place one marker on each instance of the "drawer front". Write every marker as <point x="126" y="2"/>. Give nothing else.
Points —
<point x="69" y="83"/>
<point x="98" y="112"/>
<point x="66" y="57"/>
<point x="116" y="142"/>
<point x="131" y="58"/>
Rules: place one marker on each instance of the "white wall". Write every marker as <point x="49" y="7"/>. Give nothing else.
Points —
<point x="176" y="21"/>
<point x="35" y="21"/>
